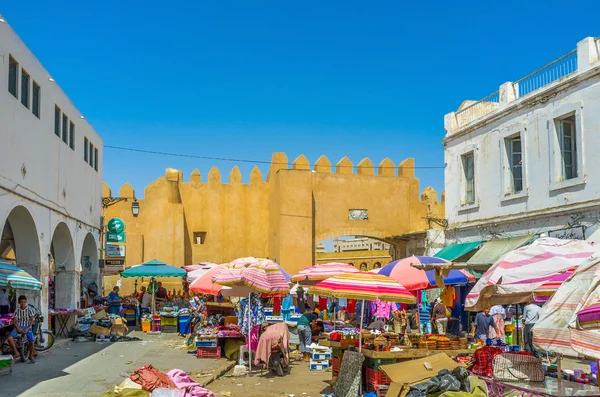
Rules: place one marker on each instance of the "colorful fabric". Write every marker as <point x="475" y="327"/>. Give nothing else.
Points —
<point x="322" y="303"/>
<point x="323" y="271"/>
<point x="448" y="296"/>
<point x="351" y="306"/>
<point x="262" y="275"/>
<point x="523" y="270"/>
<point x="251" y="314"/>
<point x="150" y="378"/>
<point x="16" y="277"/>
<point x="499" y="321"/>
<point x="381" y="309"/>
<point x="275" y="335"/>
<point x="483" y="358"/>
<point x="363" y="285"/>
<point x="183" y="381"/>
<point x="286" y="307"/>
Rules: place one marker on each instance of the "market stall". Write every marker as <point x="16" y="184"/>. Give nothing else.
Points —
<point x="363" y="286"/>
<point x="153" y="269"/>
<point x="259" y="276"/>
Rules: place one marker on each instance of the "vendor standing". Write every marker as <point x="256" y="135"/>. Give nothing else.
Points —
<point x="161" y="293"/>
<point x="115" y="301"/>
<point x="4" y="301"/>
<point x="440" y="317"/>
<point x="305" y="324"/>
<point x="482" y="324"/>
<point x="531" y="315"/>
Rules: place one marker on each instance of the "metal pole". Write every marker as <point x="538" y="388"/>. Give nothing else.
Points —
<point x="362" y="315"/>
<point x="517" y="328"/>
<point x="250" y="334"/>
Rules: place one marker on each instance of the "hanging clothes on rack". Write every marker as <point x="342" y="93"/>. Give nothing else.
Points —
<point x="276" y="306"/>
<point x="301" y="300"/>
<point x="351" y="306"/>
<point x="286" y="307"/>
<point x="251" y="314"/>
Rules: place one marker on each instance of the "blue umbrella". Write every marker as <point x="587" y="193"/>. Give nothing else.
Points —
<point x="17" y="277"/>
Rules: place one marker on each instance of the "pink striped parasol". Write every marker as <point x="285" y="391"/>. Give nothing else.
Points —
<point x="262" y="275"/>
<point x="312" y="274"/>
<point x="203" y="284"/>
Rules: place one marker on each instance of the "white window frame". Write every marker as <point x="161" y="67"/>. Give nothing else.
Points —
<point x="557" y="182"/>
<point x="505" y="163"/>
<point x="464" y="205"/>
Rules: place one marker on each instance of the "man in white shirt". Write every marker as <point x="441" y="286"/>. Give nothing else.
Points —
<point x="4" y="301"/>
<point x="531" y="314"/>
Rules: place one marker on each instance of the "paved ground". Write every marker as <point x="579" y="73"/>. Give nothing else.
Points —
<point x="90" y="369"/>
<point x="301" y="383"/>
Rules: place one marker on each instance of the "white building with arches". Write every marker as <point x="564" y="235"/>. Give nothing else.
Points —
<point x="50" y="178"/>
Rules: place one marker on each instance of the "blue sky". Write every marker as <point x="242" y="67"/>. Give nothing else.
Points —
<point x="244" y="79"/>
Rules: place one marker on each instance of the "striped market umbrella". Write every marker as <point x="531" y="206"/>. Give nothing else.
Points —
<point x="262" y="275"/>
<point x="363" y="286"/>
<point x="414" y="279"/>
<point x="203" y="284"/>
<point x="15" y="277"/>
<point x="320" y="272"/>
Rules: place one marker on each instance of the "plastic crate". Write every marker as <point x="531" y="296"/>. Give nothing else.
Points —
<point x="380" y="390"/>
<point x="168" y="321"/>
<point x="206" y="342"/>
<point x="319" y="365"/>
<point x="335" y="364"/>
<point x="374" y="377"/>
<point x="320" y="355"/>
<point x="376" y="363"/>
<point x="209" y="352"/>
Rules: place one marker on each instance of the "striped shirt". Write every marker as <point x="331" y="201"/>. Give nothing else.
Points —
<point x="22" y="316"/>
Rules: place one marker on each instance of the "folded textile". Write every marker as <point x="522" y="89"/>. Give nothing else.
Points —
<point x="183" y="381"/>
<point x="150" y="378"/>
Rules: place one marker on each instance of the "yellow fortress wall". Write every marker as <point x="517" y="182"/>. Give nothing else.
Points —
<point x="281" y="218"/>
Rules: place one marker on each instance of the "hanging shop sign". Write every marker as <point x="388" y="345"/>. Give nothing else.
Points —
<point x="115" y="237"/>
<point x="114" y="250"/>
<point x="116" y="225"/>
<point x="113" y="265"/>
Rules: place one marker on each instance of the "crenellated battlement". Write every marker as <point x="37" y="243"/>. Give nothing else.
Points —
<point x="279" y="161"/>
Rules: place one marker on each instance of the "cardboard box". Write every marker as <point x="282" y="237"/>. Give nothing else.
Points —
<point x="98" y="330"/>
<point x="117" y="321"/>
<point x="100" y="315"/>
<point x="410" y="373"/>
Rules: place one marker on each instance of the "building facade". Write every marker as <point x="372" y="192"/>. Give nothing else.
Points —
<point x="50" y="178"/>
<point x="523" y="161"/>
<point x="359" y="244"/>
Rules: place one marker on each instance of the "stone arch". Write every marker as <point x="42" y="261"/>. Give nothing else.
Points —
<point x="20" y="242"/>
<point x="363" y="267"/>
<point x="63" y="269"/>
<point x="377" y="265"/>
<point x="90" y="272"/>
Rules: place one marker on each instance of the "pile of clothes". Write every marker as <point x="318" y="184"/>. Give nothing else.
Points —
<point x="225" y="331"/>
<point x="6" y="320"/>
<point x="148" y="381"/>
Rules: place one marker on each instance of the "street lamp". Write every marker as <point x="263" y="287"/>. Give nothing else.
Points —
<point x="135" y="208"/>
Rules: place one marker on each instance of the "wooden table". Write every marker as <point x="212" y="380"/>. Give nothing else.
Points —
<point x="410" y="353"/>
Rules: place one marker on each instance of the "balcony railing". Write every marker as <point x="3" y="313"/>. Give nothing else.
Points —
<point x="562" y="67"/>
<point x="478" y="109"/>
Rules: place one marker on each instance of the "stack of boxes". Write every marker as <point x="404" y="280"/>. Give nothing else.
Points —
<point x="320" y="358"/>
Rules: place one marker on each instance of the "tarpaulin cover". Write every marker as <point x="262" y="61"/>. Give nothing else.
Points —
<point x="513" y="278"/>
<point x="455" y="251"/>
<point x="493" y="250"/>
<point x="557" y="330"/>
